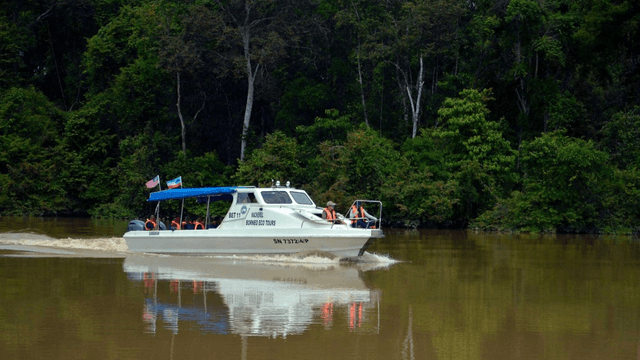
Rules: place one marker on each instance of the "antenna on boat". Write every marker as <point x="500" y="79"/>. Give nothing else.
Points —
<point x="288" y="183"/>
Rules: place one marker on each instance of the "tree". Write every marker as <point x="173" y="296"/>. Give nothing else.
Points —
<point x="621" y="138"/>
<point x="256" y="35"/>
<point x="562" y="190"/>
<point x="279" y="159"/>
<point x="422" y="190"/>
<point x="410" y="34"/>
<point x="185" y="48"/>
<point x="537" y="41"/>
<point x="477" y="155"/>
<point x="356" y="168"/>
<point x="13" y="42"/>
<point x="30" y="154"/>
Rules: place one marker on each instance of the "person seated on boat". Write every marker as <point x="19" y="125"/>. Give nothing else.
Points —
<point x="198" y="224"/>
<point x="151" y="223"/>
<point x="329" y="213"/>
<point x="360" y="218"/>
<point x="175" y="224"/>
<point x="246" y="198"/>
<point x="187" y="224"/>
<point x="214" y="223"/>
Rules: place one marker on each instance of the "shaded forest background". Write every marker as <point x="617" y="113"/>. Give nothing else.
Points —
<point x="519" y="115"/>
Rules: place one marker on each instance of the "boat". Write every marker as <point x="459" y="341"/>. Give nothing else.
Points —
<point x="260" y="221"/>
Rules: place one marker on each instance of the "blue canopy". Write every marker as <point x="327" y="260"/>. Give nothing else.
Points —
<point x="191" y="192"/>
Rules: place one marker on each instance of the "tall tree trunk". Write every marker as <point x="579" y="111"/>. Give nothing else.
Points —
<point x="184" y="134"/>
<point x="251" y="77"/>
<point x="402" y="81"/>
<point x="55" y="63"/>
<point x="415" y="104"/>
<point x="364" y="104"/>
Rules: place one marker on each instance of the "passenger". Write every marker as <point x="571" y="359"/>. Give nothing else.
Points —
<point x="175" y="224"/>
<point x="151" y="223"/>
<point x="355" y="215"/>
<point x="360" y="218"/>
<point x="329" y="213"/>
<point x="214" y="223"/>
<point x="187" y="224"/>
<point x="198" y="224"/>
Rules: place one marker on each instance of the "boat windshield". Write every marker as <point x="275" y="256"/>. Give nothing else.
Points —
<point x="301" y="198"/>
<point x="276" y="197"/>
<point x="246" y="198"/>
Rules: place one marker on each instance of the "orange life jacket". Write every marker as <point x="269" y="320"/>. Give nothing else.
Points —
<point x="355" y="214"/>
<point x="175" y="224"/>
<point x="153" y="223"/>
<point x="198" y="225"/>
<point x="331" y="214"/>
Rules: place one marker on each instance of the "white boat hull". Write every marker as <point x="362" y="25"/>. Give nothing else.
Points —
<point x="342" y="242"/>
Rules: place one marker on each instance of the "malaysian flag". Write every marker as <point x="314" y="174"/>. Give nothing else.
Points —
<point x="172" y="184"/>
<point x="153" y="182"/>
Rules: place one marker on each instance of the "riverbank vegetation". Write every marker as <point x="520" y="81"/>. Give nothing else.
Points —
<point x="518" y="115"/>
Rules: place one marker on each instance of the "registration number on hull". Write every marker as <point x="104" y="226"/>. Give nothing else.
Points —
<point x="290" y="241"/>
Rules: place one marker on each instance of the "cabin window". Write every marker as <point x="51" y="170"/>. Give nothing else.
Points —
<point x="301" y="198"/>
<point x="276" y="197"/>
<point x="246" y="198"/>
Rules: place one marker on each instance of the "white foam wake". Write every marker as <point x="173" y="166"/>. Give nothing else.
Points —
<point x="96" y="244"/>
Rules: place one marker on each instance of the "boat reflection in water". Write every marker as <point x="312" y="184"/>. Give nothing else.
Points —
<point x="253" y="298"/>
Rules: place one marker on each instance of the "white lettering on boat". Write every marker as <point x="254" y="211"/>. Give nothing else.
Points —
<point x="290" y="241"/>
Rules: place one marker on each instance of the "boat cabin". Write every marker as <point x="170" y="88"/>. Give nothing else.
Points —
<point x="251" y="206"/>
<point x="270" y="207"/>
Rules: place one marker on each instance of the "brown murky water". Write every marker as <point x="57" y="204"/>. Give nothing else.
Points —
<point x="417" y="295"/>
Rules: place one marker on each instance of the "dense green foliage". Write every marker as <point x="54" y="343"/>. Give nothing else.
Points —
<point x="518" y="115"/>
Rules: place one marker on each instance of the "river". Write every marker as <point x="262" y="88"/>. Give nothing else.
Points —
<point x="72" y="290"/>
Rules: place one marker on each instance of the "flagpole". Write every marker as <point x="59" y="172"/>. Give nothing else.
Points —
<point x="182" y="208"/>
<point x="158" y="206"/>
<point x="206" y="219"/>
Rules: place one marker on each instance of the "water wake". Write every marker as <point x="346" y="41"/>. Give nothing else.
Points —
<point x="39" y="243"/>
<point x="313" y="257"/>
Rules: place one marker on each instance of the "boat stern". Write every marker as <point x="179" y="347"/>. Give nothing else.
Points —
<point x="375" y="234"/>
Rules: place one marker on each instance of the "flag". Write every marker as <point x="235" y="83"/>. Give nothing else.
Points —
<point x="153" y="182"/>
<point x="175" y="182"/>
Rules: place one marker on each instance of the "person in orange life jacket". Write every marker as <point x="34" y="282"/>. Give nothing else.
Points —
<point x="187" y="224"/>
<point x="151" y="223"/>
<point x="359" y="216"/>
<point x="329" y="213"/>
<point x="198" y="224"/>
<point x="175" y="224"/>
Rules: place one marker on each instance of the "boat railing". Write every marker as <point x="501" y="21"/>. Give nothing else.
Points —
<point x="377" y="223"/>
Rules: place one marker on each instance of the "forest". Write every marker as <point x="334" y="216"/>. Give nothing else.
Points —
<point x="500" y="115"/>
